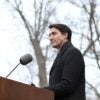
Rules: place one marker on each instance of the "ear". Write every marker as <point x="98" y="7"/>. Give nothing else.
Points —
<point x="66" y="35"/>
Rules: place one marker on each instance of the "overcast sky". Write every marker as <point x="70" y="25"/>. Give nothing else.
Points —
<point x="11" y="51"/>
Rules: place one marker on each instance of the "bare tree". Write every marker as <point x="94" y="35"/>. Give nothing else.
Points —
<point x="42" y="11"/>
<point x="90" y="19"/>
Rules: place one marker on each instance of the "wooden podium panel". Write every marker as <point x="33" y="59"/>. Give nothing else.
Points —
<point x="12" y="90"/>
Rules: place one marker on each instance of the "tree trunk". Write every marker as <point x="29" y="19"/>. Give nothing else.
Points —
<point x="40" y="62"/>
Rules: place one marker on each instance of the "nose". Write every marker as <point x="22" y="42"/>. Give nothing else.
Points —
<point x="50" y="37"/>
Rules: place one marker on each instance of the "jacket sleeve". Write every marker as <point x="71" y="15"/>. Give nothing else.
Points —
<point x="73" y="66"/>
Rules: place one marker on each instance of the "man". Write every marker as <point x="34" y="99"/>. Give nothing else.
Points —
<point x="67" y="75"/>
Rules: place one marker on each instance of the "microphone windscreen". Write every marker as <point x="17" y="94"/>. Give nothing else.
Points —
<point x="27" y="58"/>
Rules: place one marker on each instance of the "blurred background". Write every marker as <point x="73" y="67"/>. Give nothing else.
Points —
<point x="24" y="29"/>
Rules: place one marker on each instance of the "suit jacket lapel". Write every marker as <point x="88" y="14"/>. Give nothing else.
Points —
<point x="59" y="55"/>
<point x="54" y="64"/>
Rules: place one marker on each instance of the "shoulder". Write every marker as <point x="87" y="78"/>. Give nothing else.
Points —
<point x="72" y="50"/>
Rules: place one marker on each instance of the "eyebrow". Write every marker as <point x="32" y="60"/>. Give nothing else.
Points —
<point x="52" y="33"/>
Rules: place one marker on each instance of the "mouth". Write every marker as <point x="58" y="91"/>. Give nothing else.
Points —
<point x="52" y="42"/>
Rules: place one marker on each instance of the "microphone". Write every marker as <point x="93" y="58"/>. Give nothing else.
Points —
<point x="27" y="58"/>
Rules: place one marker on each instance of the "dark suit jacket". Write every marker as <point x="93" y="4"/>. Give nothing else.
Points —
<point x="67" y="75"/>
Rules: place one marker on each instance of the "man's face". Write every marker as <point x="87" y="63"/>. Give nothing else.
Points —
<point x="57" y="39"/>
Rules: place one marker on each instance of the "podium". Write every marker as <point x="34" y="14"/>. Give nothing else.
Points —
<point x="13" y="90"/>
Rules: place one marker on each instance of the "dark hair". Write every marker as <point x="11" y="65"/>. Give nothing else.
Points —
<point x="63" y="29"/>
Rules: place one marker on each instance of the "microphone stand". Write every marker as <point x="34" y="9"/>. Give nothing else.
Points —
<point x="13" y="70"/>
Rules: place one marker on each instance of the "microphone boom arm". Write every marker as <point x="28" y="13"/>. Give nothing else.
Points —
<point x="12" y="70"/>
<point x="23" y="60"/>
